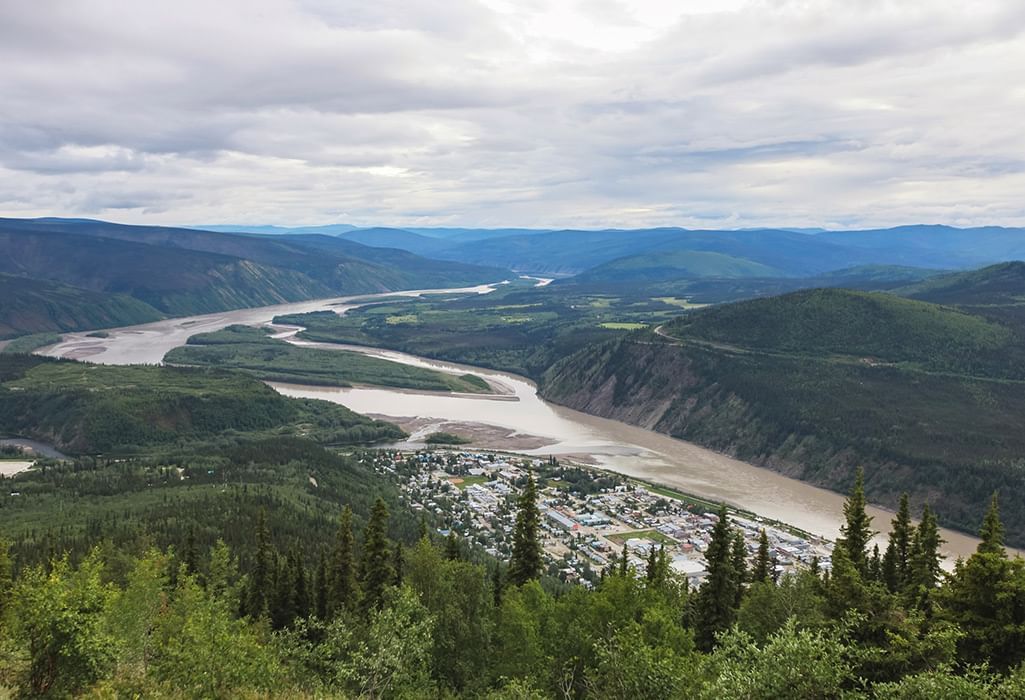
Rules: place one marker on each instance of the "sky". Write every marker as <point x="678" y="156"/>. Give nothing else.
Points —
<point x="495" y="113"/>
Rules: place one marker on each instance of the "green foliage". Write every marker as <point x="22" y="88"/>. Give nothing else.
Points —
<point x="793" y="663"/>
<point x="252" y="351"/>
<point x="446" y="439"/>
<point x="526" y="554"/>
<point x="856" y="532"/>
<point x="30" y="343"/>
<point x="98" y="408"/>
<point x="40" y="309"/>
<point x="715" y="604"/>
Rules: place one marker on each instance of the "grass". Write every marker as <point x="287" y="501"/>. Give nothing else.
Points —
<point x="623" y="326"/>
<point x="467" y="481"/>
<point x="677" y="301"/>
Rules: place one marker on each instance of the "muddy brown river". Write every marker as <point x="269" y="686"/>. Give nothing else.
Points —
<point x="518" y="410"/>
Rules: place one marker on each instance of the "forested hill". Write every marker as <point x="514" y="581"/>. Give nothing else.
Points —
<point x="39" y="306"/>
<point x="183" y="271"/>
<point x="815" y="383"/>
<point x="871" y="327"/>
<point x="84" y="408"/>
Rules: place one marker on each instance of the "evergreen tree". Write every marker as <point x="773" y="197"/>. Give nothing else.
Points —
<point x="6" y="578"/>
<point x="992" y="532"/>
<point x="300" y="585"/>
<point x="738" y="560"/>
<point x="423" y="532"/>
<point x="452" y="549"/>
<point x="857" y="528"/>
<point x="398" y="564"/>
<point x="376" y="564"/>
<point x="190" y="557"/>
<point x="497" y="584"/>
<point x="261" y="578"/>
<point x="657" y="570"/>
<point x="322" y="588"/>
<point x="342" y="578"/>
<point x="762" y="570"/>
<point x="897" y="558"/>
<point x="985" y="597"/>
<point x="875" y="565"/>
<point x="924" y="569"/>
<point x="715" y="603"/>
<point x="624" y="562"/>
<point x="526" y="554"/>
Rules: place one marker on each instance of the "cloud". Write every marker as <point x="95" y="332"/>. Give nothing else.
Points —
<point x="526" y="113"/>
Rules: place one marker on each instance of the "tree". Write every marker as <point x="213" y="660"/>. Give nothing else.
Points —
<point x="738" y="560"/>
<point x="376" y="564"/>
<point x="897" y="558"/>
<point x="452" y="549"/>
<point x="762" y="569"/>
<point x="58" y="617"/>
<point x="992" y="531"/>
<point x="397" y="564"/>
<point x="924" y="571"/>
<point x="857" y="528"/>
<point x="321" y="588"/>
<point x="715" y="603"/>
<point x="526" y="553"/>
<point x="343" y="586"/>
<point x="985" y="596"/>
<point x="261" y="584"/>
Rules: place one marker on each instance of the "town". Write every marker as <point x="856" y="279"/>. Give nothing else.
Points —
<point x="588" y="517"/>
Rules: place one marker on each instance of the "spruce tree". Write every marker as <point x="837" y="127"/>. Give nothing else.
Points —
<point x="895" y="568"/>
<point x="261" y="584"/>
<point x="738" y="560"/>
<point x="376" y="564"/>
<point x="624" y="562"/>
<point x="715" y="603"/>
<point x="762" y="570"/>
<point x="398" y="562"/>
<point x="857" y="528"/>
<point x="300" y="585"/>
<point x="322" y="588"/>
<point x="875" y="565"/>
<point x="992" y="532"/>
<point x="342" y="577"/>
<point x="924" y="569"/>
<point x="526" y="554"/>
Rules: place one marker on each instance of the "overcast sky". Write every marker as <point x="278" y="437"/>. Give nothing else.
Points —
<point x="584" y="113"/>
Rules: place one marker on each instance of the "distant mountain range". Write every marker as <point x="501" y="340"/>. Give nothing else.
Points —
<point x="786" y="252"/>
<point x="172" y="271"/>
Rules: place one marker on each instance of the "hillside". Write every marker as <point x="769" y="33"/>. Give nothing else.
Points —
<point x="670" y="266"/>
<point x="36" y="306"/>
<point x="83" y="408"/>
<point x="182" y="272"/>
<point x="815" y="383"/>
<point x="867" y="326"/>
<point x="996" y="285"/>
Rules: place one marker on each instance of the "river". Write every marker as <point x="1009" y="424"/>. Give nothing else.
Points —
<point x="609" y="444"/>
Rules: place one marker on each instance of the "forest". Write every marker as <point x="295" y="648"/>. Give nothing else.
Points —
<point x="254" y="352"/>
<point x="370" y="607"/>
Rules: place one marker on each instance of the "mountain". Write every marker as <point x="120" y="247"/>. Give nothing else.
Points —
<point x="936" y="246"/>
<point x="813" y="384"/>
<point x="397" y="238"/>
<point x="38" y="306"/>
<point x="670" y="266"/>
<point x="326" y="230"/>
<point x="183" y="271"/>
